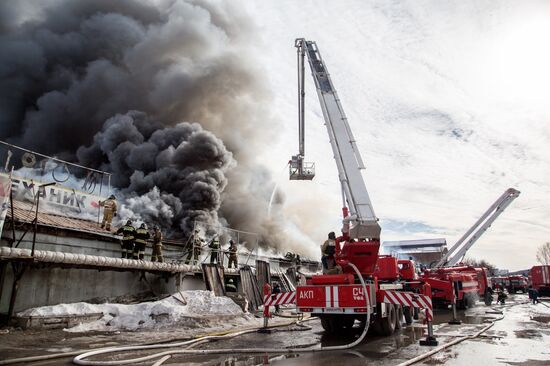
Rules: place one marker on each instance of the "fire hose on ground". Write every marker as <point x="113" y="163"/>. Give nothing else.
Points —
<point x="455" y="341"/>
<point x="75" y="353"/>
<point x="163" y="356"/>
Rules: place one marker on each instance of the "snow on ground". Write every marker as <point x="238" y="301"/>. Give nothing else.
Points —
<point x="203" y="309"/>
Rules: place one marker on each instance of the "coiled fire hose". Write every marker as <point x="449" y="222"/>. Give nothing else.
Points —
<point x="163" y="356"/>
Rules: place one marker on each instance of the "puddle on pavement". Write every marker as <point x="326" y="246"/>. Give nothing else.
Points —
<point x="541" y="319"/>
<point x="441" y="358"/>
<point x="528" y="333"/>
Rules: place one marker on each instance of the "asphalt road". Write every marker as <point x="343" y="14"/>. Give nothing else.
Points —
<point x="521" y="337"/>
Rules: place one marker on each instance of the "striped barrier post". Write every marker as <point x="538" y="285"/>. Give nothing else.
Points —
<point x="267" y="293"/>
<point x="420" y="301"/>
<point x="430" y="338"/>
<point x="270" y="299"/>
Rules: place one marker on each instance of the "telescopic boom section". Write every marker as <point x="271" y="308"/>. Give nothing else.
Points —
<point x="300" y="170"/>
<point x="455" y="255"/>
<point x="361" y="217"/>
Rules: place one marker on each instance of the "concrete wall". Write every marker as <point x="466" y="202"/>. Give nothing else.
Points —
<point x="51" y="286"/>
<point x="43" y="285"/>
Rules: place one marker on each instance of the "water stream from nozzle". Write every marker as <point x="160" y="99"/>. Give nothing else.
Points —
<point x="274" y="191"/>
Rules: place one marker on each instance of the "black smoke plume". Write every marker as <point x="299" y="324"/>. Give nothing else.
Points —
<point x="164" y="94"/>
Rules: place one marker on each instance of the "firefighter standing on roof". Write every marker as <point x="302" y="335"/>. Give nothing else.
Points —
<point x="214" y="250"/>
<point x="232" y="254"/>
<point x="109" y="211"/>
<point x="142" y="235"/>
<point x="195" y="250"/>
<point x="157" y="246"/>
<point x="128" y="234"/>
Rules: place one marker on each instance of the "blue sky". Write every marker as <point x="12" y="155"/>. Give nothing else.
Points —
<point x="448" y="102"/>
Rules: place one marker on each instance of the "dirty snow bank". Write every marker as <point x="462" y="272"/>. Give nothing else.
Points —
<point x="203" y="309"/>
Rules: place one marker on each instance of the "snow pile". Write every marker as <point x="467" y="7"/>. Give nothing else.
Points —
<point x="202" y="309"/>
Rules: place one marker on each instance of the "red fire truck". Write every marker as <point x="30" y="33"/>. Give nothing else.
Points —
<point x="540" y="279"/>
<point x="517" y="283"/>
<point x="452" y="281"/>
<point x="357" y="290"/>
<point x="500" y="282"/>
<point x="463" y="284"/>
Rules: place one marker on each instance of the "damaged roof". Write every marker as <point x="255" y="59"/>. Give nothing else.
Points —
<point x="24" y="212"/>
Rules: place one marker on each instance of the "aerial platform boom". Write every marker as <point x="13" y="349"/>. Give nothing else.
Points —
<point x="456" y="255"/>
<point x="361" y="216"/>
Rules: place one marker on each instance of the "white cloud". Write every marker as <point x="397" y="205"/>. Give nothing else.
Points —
<point x="448" y="102"/>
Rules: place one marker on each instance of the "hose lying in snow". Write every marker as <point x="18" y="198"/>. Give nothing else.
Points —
<point x="81" y="359"/>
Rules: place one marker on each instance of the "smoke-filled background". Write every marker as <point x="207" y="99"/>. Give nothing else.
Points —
<point x="165" y="95"/>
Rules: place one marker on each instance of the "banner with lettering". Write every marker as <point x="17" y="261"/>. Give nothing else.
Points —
<point x="55" y="199"/>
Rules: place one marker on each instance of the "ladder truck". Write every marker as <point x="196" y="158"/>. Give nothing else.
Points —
<point x="340" y="299"/>
<point x="452" y="282"/>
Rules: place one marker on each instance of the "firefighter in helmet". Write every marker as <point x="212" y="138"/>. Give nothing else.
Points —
<point x="157" y="245"/>
<point x="230" y="286"/>
<point x="274" y="292"/>
<point x="109" y="211"/>
<point x="196" y="248"/>
<point x="233" y="260"/>
<point x="214" y="249"/>
<point x="142" y="235"/>
<point x="128" y="235"/>
<point x="328" y="249"/>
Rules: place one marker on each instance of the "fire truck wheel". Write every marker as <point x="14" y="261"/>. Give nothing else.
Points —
<point x="326" y="323"/>
<point x="408" y="312"/>
<point x="387" y="324"/>
<point x="335" y="324"/>
<point x="399" y="317"/>
<point x="377" y="326"/>
<point x="347" y="322"/>
<point x="461" y="304"/>
<point x="470" y="301"/>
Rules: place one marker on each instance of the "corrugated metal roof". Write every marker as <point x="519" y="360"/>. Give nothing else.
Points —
<point x="25" y="212"/>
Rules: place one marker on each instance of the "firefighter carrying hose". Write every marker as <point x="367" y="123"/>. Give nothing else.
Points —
<point x="141" y="237"/>
<point x="109" y="211"/>
<point x="196" y="247"/>
<point x="128" y="234"/>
